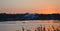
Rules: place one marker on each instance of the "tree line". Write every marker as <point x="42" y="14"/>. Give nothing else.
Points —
<point x="27" y="16"/>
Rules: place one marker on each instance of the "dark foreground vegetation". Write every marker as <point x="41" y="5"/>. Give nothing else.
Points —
<point x="27" y="16"/>
<point x="42" y="28"/>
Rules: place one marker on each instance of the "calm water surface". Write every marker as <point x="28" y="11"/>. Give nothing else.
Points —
<point x="17" y="25"/>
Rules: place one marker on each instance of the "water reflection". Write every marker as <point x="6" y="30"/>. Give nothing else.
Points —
<point x="35" y="25"/>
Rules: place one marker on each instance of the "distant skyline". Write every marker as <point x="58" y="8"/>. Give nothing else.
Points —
<point x="30" y="6"/>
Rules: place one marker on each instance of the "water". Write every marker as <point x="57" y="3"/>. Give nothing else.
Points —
<point x="31" y="25"/>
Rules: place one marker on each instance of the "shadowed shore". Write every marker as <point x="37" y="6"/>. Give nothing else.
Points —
<point x="27" y="16"/>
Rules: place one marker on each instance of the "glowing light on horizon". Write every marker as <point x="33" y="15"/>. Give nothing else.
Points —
<point x="30" y="6"/>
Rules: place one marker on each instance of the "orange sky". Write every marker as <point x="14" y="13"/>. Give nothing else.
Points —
<point x="30" y="6"/>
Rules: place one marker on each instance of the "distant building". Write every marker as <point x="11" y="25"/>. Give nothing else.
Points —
<point x="30" y="16"/>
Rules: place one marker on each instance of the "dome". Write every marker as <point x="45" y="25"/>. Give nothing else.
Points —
<point x="30" y="16"/>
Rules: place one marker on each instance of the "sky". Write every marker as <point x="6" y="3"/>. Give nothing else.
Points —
<point x="30" y="6"/>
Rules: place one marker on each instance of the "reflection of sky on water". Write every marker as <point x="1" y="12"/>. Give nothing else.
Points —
<point x="14" y="27"/>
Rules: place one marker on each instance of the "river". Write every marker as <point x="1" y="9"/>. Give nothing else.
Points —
<point x="28" y="25"/>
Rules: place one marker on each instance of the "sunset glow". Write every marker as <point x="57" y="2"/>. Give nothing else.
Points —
<point x="30" y="6"/>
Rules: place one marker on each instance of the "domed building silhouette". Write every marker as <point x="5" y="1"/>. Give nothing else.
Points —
<point x="30" y="17"/>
